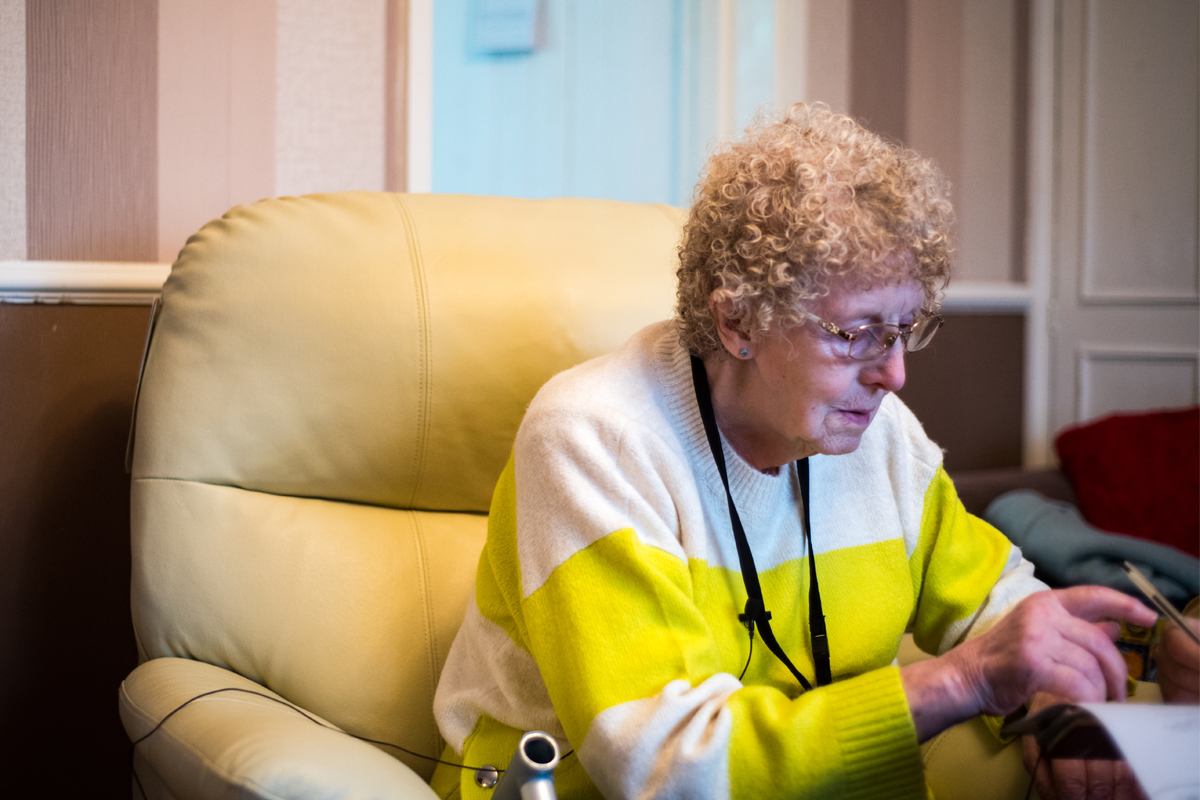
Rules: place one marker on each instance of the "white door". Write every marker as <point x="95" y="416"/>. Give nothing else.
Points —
<point x="1122" y="314"/>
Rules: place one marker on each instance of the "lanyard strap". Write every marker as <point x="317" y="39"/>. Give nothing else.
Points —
<point x="756" y="612"/>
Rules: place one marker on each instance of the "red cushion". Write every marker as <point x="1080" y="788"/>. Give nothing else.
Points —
<point x="1138" y="474"/>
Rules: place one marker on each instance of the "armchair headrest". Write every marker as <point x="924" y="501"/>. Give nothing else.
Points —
<point x="381" y="348"/>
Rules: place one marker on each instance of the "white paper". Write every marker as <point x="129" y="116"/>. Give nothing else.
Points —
<point x="1160" y="742"/>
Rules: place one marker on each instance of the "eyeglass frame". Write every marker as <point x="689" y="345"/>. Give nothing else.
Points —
<point x="903" y="333"/>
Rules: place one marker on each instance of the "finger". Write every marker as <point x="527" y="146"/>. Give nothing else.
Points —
<point x="1101" y="780"/>
<point x="1125" y="786"/>
<point x="1174" y="671"/>
<point x="1037" y="767"/>
<point x="1108" y="658"/>
<point x="1181" y="650"/>
<point x="1110" y="629"/>
<point x="1030" y="753"/>
<point x="1076" y="675"/>
<point x="1043" y="781"/>
<point x="1178" y="686"/>
<point x="1069" y="776"/>
<point x="1096" y="603"/>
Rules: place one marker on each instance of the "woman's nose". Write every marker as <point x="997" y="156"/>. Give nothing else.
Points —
<point x="887" y="371"/>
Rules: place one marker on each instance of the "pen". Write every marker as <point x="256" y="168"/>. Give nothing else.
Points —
<point x="1161" y="603"/>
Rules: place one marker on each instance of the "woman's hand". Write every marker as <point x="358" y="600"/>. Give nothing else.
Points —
<point x="1071" y="778"/>
<point x="1058" y="642"/>
<point x="1178" y="660"/>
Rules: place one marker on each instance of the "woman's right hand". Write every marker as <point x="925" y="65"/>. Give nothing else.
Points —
<point x="1055" y="642"/>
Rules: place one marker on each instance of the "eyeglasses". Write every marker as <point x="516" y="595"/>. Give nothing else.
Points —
<point x="867" y="342"/>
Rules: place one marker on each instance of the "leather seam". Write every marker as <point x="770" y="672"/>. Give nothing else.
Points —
<point x="474" y="512"/>
<point x="231" y="779"/>
<point x="424" y="390"/>
<point x="430" y="628"/>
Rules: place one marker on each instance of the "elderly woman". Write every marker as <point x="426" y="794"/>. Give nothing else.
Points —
<point x="708" y="544"/>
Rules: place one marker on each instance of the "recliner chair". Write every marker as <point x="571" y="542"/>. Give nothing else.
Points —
<point x="331" y="388"/>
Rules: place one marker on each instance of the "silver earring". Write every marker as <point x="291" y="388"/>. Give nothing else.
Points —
<point x="744" y="352"/>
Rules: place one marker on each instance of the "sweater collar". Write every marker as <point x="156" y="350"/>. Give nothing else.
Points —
<point x="750" y="487"/>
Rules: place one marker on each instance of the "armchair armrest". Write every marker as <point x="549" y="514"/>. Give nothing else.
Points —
<point x="979" y="487"/>
<point x="235" y="744"/>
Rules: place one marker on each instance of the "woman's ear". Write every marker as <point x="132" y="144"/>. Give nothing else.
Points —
<point x="730" y="329"/>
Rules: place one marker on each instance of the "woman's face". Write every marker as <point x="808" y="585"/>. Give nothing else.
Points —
<point x="802" y="391"/>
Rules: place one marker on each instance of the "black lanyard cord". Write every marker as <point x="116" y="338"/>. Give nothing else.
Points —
<point x="756" y="612"/>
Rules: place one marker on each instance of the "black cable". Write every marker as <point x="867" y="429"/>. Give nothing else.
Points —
<point x="302" y="713"/>
<point x="138" y="780"/>
<point x="1033" y="774"/>
<point x="310" y="718"/>
<point x="749" y="627"/>
<point x="307" y="716"/>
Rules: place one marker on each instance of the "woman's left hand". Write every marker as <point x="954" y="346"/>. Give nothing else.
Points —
<point x="1073" y="778"/>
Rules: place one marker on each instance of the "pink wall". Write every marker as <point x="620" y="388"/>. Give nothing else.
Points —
<point x="145" y="119"/>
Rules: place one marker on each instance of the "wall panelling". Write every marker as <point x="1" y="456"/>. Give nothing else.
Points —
<point x="67" y="378"/>
<point x="92" y="131"/>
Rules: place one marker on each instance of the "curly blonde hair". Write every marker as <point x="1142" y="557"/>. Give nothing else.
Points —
<point x="799" y="205"/>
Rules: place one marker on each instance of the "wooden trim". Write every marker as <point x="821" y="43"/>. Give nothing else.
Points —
<point x="726" y="70"/>
<point x="395" y="101"/>
<point x="1039" y="229"/>
<point x="418" y="102"/>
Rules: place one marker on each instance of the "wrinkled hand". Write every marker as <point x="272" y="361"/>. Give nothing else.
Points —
<point x="1072" y="778"/>
<point x="1178" y="660"/>
<point x="1057" y="642"/>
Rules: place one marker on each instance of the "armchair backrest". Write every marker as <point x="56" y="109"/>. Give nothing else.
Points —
<point x="332" y="387"/>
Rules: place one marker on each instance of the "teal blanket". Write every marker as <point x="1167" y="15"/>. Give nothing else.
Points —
<point x="1067" y="551"/>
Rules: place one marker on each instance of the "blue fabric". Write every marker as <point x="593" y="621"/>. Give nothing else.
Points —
<point x="1067" y="551"/>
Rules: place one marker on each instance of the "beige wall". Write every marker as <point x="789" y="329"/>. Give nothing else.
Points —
<point x="216" y="121"/>
<point x="145" y="119"/>
<point x="948" y="78"/>
<point x="12" y="129"/>
<point x="330" y="92"/>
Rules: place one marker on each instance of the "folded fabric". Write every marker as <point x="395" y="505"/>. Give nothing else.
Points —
<point x="1067" y="551"/>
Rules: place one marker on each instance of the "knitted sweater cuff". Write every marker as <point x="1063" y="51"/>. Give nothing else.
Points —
<point x="877" y="737"/>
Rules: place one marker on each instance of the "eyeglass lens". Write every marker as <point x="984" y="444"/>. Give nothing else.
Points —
<point x="875" y="340"/>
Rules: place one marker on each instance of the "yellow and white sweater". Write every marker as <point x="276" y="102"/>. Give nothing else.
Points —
<point x="607" y="598"/>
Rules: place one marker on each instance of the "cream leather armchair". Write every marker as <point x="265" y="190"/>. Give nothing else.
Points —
<point x="331" y="389"/>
